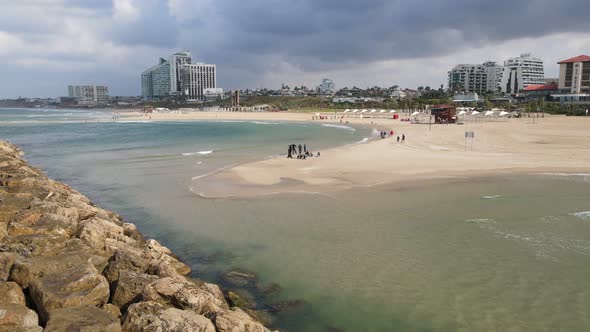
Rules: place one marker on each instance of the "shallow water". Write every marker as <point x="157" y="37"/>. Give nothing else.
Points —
<point x="492" y="254"/>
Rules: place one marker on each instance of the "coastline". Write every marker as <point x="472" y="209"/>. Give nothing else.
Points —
<point x="66" y="264"/>
<point x="504" y="146"/>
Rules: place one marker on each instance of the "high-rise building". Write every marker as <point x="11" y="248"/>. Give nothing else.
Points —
<point x="327" y="86"/>
<point x="523" y="71"/>
<point x="155" y="82"/>
<point x="195" y="78"/>
<point x="574" y="75"/>
<point x="89" y="94"/>
<point x="176" y="61"/>
<point x="496" y="77"/>
<point x="468" y="78"/>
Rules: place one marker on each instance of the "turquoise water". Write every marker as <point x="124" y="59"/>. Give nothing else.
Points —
<point x="491" y="254"/>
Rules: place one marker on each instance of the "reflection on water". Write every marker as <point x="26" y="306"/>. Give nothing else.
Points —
<point x="490" y="254"/>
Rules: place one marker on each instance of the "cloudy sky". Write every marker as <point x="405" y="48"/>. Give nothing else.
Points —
<point x="47" y="44"/>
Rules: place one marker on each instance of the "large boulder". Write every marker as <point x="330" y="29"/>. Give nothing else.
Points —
<point x="25" y="270"/>
<point x="129" y="288"/>
<point x="17" y="317"/>
<point x="35" y="244"/>
<point x="6" y="262"/>
<point x="11" y="293"/>
<point x="205" y="299"/>
<point x="125" y="258"/>
<point x="95" y="231"/>
<point x="240" y="278"/>
<point x="152" y="316"/>
<point x="82" y="319"/>
<point x="160" y="253"/>
<point x="75" y="287"/>
<point x="236" y="320"/>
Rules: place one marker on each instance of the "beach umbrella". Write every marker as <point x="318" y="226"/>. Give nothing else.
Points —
<point x="504" y="113"/>
<point x="462" y="112"/>
<point x="347" y="110"/>
<point x="415" y="113"/>
<point x="392" y="111"/>
<point x="364" y="111"/>
<point x="488" y="113"/>
<point x="317" y="114"/>
<point x="355" y="111"/>
<point x="382" y="111"/>
<point x="373" y="111"/>
<point x="474" y="113"/>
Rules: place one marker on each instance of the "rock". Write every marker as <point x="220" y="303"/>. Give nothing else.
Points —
<point x="152" y="316"/>
<point x="236" y="320"/>
<point x="82" y="319"/>
<point x="263" y="317"/>
<point x="95" y="231"/>
<point x="160" y="253"/>
<point x="6" y="262"/>
<point x="11" y="293"/>
<point x="113" y="310"/>
<point x="239" y="278"/>
<point x="75" y="287"/>
<point x="131" y="231"/>
<point x="268" y="290"/>
<point x="17" y="317"/>
<point x="236" y="300"/>
<point x="125" y="259"/>
<point x="35" y="244"/>
<point x="25" y="270"/>
<point x="129" y="288"/>
<point x="203" y="298"/>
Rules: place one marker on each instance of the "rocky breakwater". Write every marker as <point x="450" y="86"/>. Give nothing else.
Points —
<point x="68" y="265"/>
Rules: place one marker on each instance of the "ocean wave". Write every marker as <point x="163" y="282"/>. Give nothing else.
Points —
<point x="205" y="152"/>
<point x="364" y="140"/>
<point x="584" y="215"/>
<point x="338" y="126"/>
<point x="567" y="174"/>
<point x="136" y="121"/>
<point x="263" y="122"/>
<point x="491" y="196"/>
<point x="481" y="221"/>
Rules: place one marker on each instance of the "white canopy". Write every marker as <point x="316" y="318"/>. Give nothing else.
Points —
<point x="355" y="111"/>
<point x="462" y="112"/>
<point x="504" y="113"/>
<point x="488" y="113"/>
<point x="347" y="110"/>
<point x="392" y="111"/>
<point x="415" y="113"/>
<point x="382" y="111"/>
<point x="373" y="111"/>
<point x="474" y="113"/>
<point x="364" y="111"/>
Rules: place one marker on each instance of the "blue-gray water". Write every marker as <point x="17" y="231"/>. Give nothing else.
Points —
<point x="490" y="254"/>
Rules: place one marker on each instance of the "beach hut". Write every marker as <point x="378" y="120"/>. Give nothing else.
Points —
<point x="444" y="113"/>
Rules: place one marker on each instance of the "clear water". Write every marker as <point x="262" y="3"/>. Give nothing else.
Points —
<point x="490" y="254"/>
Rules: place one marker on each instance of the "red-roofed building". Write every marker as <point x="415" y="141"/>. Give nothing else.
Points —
<point x="539" y="91"/>
<point x="574" y="75"/>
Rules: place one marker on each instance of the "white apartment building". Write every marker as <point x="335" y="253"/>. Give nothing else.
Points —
<point x="523" y="71"/>
<point x="89" y="94"/>
<point x="496" y="77"/>
<point x="176" y="61"/>
<point x="574" y="75"/>
<point x="195" y="78"/>
<point x="468" y="78"/>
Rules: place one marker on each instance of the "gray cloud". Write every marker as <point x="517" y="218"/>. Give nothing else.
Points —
<point x="250" y="40"/>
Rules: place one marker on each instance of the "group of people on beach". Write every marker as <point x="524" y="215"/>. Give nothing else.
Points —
<point x="300" y="152"/>
<point x="385" y="134"/>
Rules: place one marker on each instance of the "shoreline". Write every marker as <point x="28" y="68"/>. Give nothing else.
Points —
<point x="66" y="264"/>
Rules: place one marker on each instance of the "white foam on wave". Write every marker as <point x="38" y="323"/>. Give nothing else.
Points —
<point x="566" y="174"/>
<point x="584" y="215"/>
<point x="136" y="121"/>
<point x="491" y="196"/>
<point x="338" y="126"/>
<point x="263" y="122"/>
<point x="203" y="153"/>
<point x="364" y="140"/>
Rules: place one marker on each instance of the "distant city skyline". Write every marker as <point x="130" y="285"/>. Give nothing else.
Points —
<point x="46" y="45"/>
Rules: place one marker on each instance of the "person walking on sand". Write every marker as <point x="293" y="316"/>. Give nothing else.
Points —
<point x="403" y="138"/>
<point x="305" y="148"/>
<point x="300" y="148"/>
<point x="398" y="139"/>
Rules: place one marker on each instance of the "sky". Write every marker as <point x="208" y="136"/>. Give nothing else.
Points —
<point x="47" y="44"/>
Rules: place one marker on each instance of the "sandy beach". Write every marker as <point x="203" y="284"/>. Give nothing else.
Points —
<point x="550" y="144"/>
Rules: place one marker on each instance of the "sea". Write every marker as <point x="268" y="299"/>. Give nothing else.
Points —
<point x="504" y="253"/>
